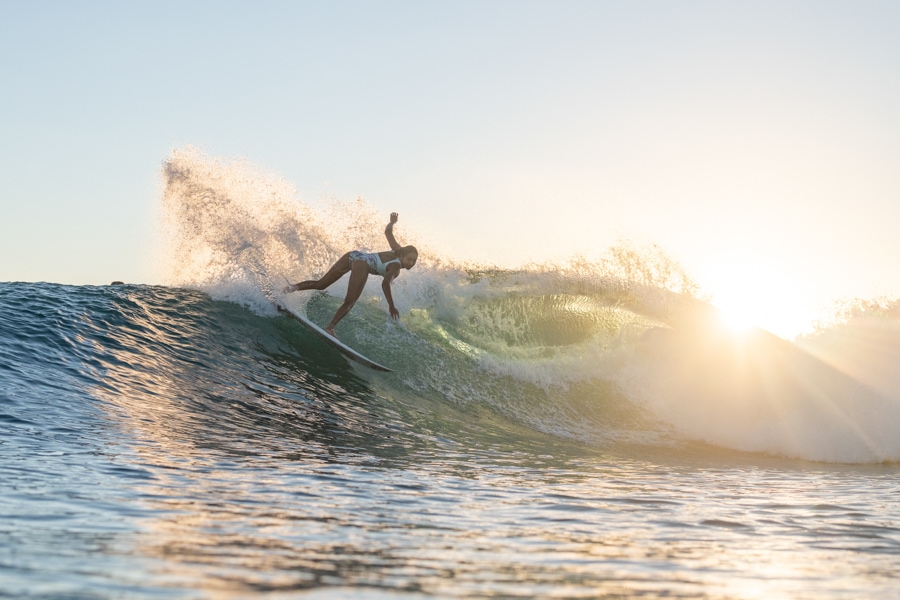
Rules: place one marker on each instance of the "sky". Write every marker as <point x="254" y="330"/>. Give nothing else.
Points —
<point x="757" y="143"/>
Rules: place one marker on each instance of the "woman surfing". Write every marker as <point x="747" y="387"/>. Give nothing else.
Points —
<point x="360" y="265"/>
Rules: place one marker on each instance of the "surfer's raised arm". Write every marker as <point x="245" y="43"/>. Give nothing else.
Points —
<point x="389" y="233"/>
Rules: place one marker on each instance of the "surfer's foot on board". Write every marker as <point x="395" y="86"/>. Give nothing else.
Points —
<point x="330" y="331"/>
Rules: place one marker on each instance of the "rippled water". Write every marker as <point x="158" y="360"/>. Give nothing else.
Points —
<point x="157" y="444"/>
<point x="91" y="518"/>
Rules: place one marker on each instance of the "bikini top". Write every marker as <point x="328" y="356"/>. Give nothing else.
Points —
<point x="381" y="267"/>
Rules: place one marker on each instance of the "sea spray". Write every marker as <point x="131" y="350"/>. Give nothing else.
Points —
<point x="237" y="230"/>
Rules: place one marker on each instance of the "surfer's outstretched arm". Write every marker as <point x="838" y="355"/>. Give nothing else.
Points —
<point x="386" y="288"/>
<point x="389" y="233"/>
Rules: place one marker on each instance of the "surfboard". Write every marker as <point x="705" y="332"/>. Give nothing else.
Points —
<point x="333" y="341"/>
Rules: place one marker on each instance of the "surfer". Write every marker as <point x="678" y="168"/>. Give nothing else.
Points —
<point x="360" y="265"/>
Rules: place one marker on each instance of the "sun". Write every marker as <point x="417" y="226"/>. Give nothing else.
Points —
<point x="739" y="312"/>
<point x="747" y="295"/>
<point x="737" y="315"/>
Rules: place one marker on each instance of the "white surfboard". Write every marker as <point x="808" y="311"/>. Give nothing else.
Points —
<point x="333" y="341"/>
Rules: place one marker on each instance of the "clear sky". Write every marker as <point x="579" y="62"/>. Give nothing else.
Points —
<point x="756" y="142"/>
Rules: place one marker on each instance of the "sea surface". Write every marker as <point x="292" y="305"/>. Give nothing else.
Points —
<point x="585" y="430"/>
<point x="157" y="443"/>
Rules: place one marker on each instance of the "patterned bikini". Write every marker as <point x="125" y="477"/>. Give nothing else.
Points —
<point x="373" y="260"/>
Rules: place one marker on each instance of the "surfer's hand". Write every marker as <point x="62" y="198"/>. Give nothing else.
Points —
<point x="394" y="217"/>
<point x="289" y="289"/>
<point x="395" y="314"/>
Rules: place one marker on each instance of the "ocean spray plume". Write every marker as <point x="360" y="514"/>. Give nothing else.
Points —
<point x="229" y="225"/>
<point x="235" y="230"/>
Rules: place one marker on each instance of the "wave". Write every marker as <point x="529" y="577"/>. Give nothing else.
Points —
<point x="175" y="365"/>
<point x="616" y="351"/>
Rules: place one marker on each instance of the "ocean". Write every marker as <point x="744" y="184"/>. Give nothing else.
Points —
<point x="583" y="430"/>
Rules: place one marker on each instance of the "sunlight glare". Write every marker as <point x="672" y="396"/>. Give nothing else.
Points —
<point x="750" y="295"/>
<point x="737" y="312"/>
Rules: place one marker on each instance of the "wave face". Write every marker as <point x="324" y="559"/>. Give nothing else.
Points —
<point x="616" y="350"/>
<point x="174" y="365"/>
